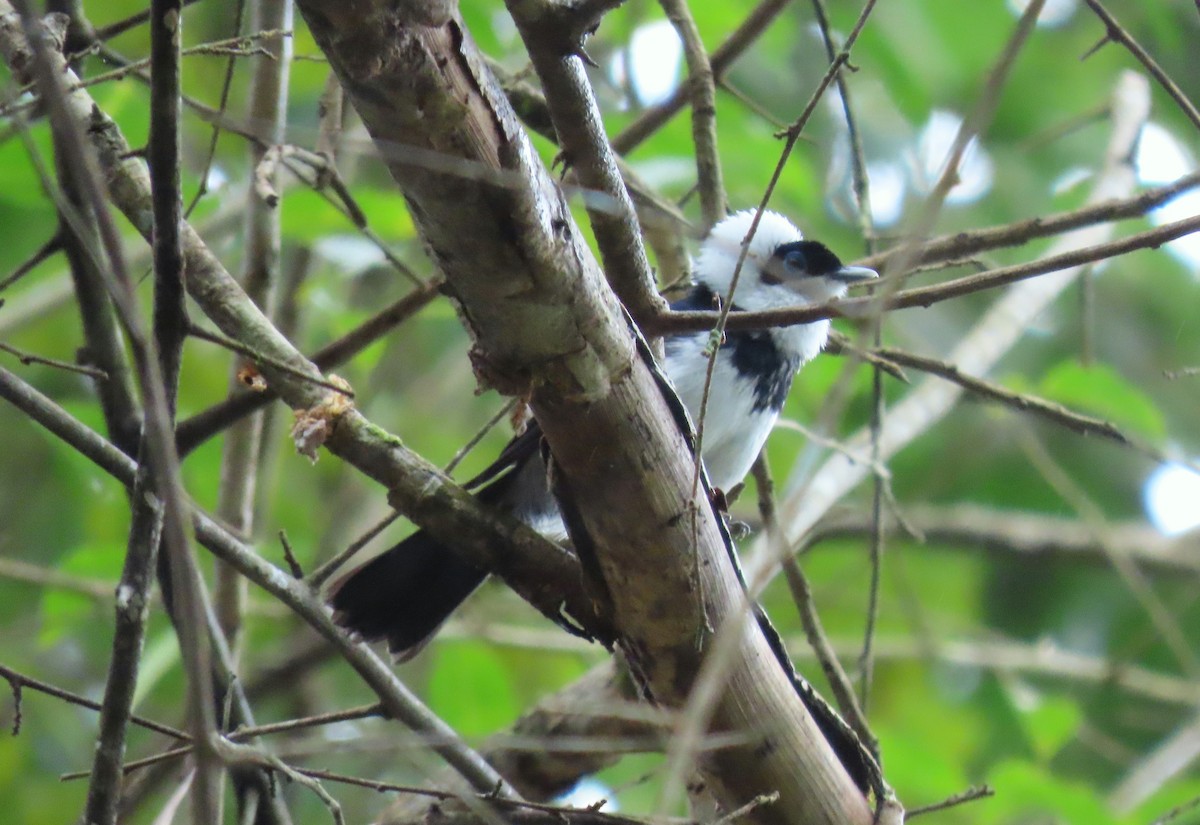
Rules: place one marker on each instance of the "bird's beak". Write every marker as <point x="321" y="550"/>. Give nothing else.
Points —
<point x="853" y="274"/>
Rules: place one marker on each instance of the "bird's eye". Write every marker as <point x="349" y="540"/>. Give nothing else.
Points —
<point x="795" y="261"/>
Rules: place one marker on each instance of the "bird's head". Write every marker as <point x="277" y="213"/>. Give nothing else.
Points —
<point x="781" y="268"/>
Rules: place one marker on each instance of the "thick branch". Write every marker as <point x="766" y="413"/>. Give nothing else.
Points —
<point x="546" y="323"/>
<point x="581" y="133"/>
<point x="540" y="571"/>
<point x="548" y="574"/>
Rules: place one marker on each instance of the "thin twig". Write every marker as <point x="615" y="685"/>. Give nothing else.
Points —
<point x="677" y="322"/>
<point x="241" y="734"/>
<point x="222" y="104"/>
<point x="233" y="754"/>
<point x="43" y="252"/>
<point x="202" y="426"/>
<point x="1164" y="622"/>
<point x="1076" y="422"/>
<point x="1117" y="33"/>
<point x="132" y="21"/>
<point x="474" y="440"/>
<point x="862" y="201"/>
<point x="326" y="177"/>
<point x="961" y="245"/>
<point x="322" y="573"/>
<point x="17" y="678"/>
<point x="702" y="89"/>
<point x="969" y="795"/>
<point x="818" y="640"/>
<point x="722" y="58"/>
<point x="290" y="557"/>
<point x="28" y="358"/>
<point x="233" y="346"/>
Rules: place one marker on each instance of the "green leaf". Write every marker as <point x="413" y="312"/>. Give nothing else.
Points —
<point x="1051" y="724"/>
<point x="1028" y="793"/>
<point x="307" y="215"/>
<point x="471" y="688"/>
<point x="68" y="613"/>
<point x="1100" y="390"/>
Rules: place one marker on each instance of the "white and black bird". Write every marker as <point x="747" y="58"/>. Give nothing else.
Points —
<point x="406" y="593"/>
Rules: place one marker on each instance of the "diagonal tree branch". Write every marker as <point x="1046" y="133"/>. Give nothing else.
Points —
<point x="557" y="57"/>
<point x="398" y="700"/>
<point x="546" y="324"/>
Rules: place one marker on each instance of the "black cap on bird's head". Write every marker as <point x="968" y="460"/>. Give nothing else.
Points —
<point x="781" y="269"/>
<point x="809" y="259"/>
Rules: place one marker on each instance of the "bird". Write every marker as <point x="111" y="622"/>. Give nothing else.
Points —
<point x="405" y="594"/>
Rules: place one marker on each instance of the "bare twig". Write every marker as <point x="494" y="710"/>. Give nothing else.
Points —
<point x="969" y="795"/>
<point x="290" y="557"/>
<point x="241" y="450"/>
<point x="1117" y="33"/>
<point x="28" y="358"/>
<point x="223" y="102"/>
<point x="247" y="732"/>
<point x="197" y="429"/>
<point x="962" y="245"/>
<point x="1076" y="422"/>
<point x="721" y="59"/>
<point x="704" y="113"/>
<point x="862" y="199"/>
<point x="1031" y="534"/>
<point x="677" y="322"/>
<point x="16" y="678"/>
<point x="399" y="702"/>
<point x="839" y="682"/>
<point x="132" y="21"/>
<point x="322" y="573"/>
<point x="265" y="360"/>
<point x="43" y="252"/>
<point x="474" y="440"/>
<point x="858" y="166"/>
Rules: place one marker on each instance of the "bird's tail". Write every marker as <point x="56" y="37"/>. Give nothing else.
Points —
<point x="405" y="594"/>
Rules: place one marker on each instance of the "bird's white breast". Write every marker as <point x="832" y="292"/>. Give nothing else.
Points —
<point x="734" y="431"/>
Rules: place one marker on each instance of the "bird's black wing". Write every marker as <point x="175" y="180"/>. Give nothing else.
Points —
<point x="406" y="593"/>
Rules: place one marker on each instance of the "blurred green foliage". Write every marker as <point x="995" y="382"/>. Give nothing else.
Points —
<point x="1053" y="748"/>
